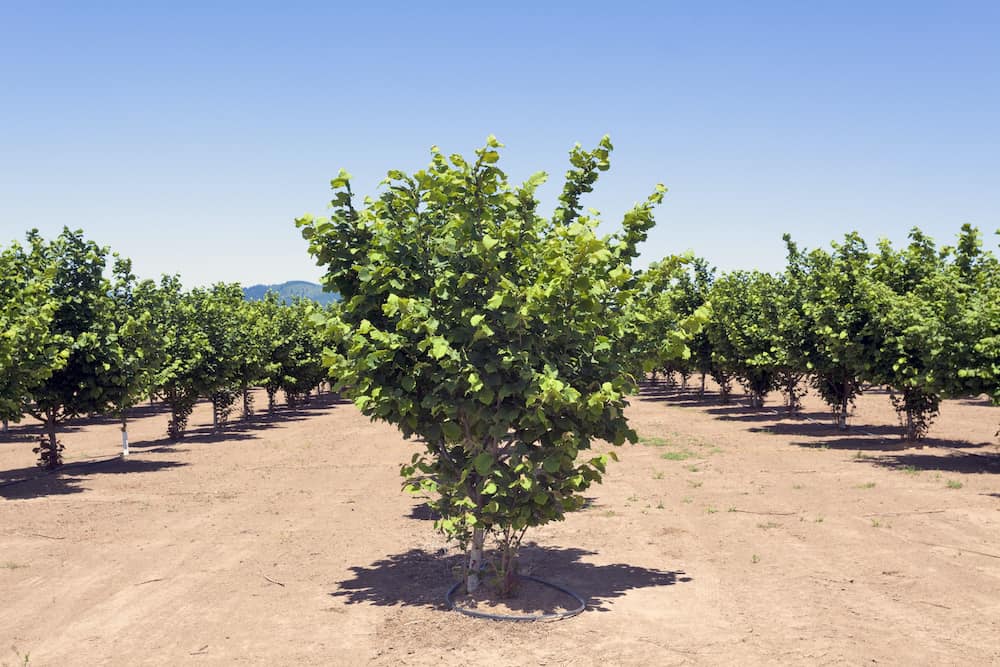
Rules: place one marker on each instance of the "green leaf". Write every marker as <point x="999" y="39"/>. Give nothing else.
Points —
<point x="483" y="463"/>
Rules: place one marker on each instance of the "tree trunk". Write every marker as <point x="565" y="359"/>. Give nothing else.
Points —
<point x="911" y="429"/>
<point x="247" y="410"/>
<point x="475" y="560"/>
<point x="215" y="416"/>
<point x="701" y="392"/>
<point x="54" y="459"/>
<point x="842" y="417"/>
<point x="5" y="428"/>
<point x="124" y="434"/>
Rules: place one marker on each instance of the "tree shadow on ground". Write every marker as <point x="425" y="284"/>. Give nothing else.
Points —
<point x="955" y="462"/>
<point x="420" y="578"/>
<point x="822" y="430"/>
<point x="423" y="512"/>
<point x="861" y="442"/>
<point x="25" y="483"/>
<point x="677" y="395"/>
<point x="772" y="414"/>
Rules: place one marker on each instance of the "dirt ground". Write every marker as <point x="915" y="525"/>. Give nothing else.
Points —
<point x="728" y="536"/>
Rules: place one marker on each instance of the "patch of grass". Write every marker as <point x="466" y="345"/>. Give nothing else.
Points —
<point x="22" y="659"/>
<point x="769" y="525"/>
<point x="693" y="468"/>
<point x="609" y="513"/>
<point x="658" y="475"/>
<point x="715" y="450"/>
<point x="693" y="484"/>
<point x="686" y="500"/>
<point x="866" y="485"/>
<point x="861" y="456"/>
<point x="954" y="484"/>
<point x="818" y="519"/>
<point x="911" y="470"/>
<point x="711" y="510"/>
<point x="798" y="487"/>
<point x="677" y="456"/>
<point x="11" y="565"/>
<point x="659" y="505"/>
<point x="653" y="441"/>
<point x="633" y="498"/>
<point x="732" y="508"/>
<point x="755" y="559"/>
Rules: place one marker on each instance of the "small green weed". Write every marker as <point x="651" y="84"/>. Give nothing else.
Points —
<point x="866" y="485"/>
<point x="755" y="559"/>
<point x="769" y="525"/>
<point x="954" y="484"/>
<point x="677" y="456"/>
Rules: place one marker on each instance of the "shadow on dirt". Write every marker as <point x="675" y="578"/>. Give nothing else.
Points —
<point x="861" y="442"/>
<point x="423" y="512"/>
<point x="767" y="414"/>
<point x="956" y="462"/>
<point x="25" y="483"/>
<point x="676" y="395"/>
<point x="420" y="578"/>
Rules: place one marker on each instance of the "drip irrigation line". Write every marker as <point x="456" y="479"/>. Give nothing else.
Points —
<point x="527" y="618"/>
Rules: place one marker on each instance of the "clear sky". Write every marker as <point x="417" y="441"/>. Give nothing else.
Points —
<point x="189" y="136"/>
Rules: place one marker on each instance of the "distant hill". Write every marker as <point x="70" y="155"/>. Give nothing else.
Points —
<point x="287" y="291"/>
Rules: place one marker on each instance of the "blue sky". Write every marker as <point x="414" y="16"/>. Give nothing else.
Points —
<point x="189" y="136"/>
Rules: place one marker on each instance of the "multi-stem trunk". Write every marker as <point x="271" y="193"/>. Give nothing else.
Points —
<point x="124" y="433"/>
<point x="472" y="579"/>
<point x="53" y="459"/>
<point x="844" y="405"/>
<point x="247" y="406"/>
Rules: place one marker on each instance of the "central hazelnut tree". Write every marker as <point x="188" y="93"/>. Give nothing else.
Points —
<point x="500" y="338"/>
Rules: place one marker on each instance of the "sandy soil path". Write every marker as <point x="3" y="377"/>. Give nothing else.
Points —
<point x="728" y="536"/>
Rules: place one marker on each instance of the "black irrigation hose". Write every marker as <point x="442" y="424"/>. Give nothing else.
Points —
<point x="532" y="617"/>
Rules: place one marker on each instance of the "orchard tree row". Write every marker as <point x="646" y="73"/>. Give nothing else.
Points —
<point x="80" y="335"/>
<point x="922" y="321"/>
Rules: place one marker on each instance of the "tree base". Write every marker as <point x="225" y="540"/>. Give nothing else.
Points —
<point x="538" y="600"/>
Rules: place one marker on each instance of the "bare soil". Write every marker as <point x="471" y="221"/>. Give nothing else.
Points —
<point x="728" y="536"/>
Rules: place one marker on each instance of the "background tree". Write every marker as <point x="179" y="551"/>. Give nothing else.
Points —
<point x="219" y="375"/>
<point x="840" y="325"/>
<point x="83" y="325"/>
<point x="185" y="346"/>
<point x="658" y="332"/>
<point x="743" y="330"/>
<point x="490" y="332"/>
<point x="30" y="350"/>
<point x="917" y="301"/>
<point x="138" y="355"/>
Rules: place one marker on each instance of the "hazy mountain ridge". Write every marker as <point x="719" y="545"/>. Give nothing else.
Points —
<point x="289" y="290"/>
